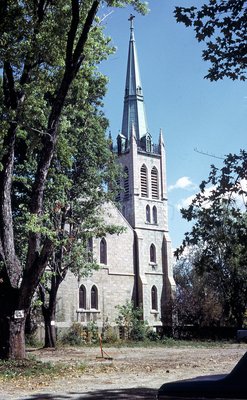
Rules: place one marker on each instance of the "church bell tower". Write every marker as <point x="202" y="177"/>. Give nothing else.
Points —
<point x="143" y="199"/>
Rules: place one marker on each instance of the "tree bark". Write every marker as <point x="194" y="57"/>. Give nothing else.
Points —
<point x="21" y="284"/>
<point x="49" y="310"/>
<point x="50" y="329"/>
<point x="17" y="337"/>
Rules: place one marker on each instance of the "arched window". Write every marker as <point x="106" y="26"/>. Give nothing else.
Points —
<point x="155" y="215"/>
<point x="103" y="251"/>
<point x="82" y="297"/>
<point x="144" y="181"/>
<point x="126" y="183"/>
<point x="152" y="253"/>
<point x="154" y="183"/>
<point x="94" y="297"/>
<point x="148" y="218"/>
<point x="154" y="298"/>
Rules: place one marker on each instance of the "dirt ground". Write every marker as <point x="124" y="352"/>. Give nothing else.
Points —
<point x="132" y="373"/>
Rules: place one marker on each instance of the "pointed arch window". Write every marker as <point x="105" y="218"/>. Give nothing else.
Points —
<point x="126" y="183"/>
<point x="148" y="216"/>
<point x="82" y="297"/>
<point x="144" y="181"/>
<point x="154" y="298"/>
<point x="155" y="220"/>
<point x="152" y="253"/>
<point x="94" y="297"/>
<point x="154" y="183"/>
<point x="103" y="251"/>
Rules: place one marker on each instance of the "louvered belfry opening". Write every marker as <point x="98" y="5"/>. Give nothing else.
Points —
<point x="118" y="189"/>
<point x="154" y="183"/>
<point x="126" y="183"/>
<point x="144" y="181"/>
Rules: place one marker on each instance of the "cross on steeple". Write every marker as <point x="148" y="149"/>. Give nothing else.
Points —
<point x="131" y="21"/>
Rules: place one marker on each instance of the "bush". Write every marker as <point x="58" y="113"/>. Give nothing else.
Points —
<point x="31" y="340"/>
<point x="152" y="336"/>
<point x="130" y="322"/>
<point x="109" y="335"/>
<point x="92" y="332"/>
<point x="76" y="335"/>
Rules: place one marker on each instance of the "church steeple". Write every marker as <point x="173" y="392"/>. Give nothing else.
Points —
<point x="134" y="109"/>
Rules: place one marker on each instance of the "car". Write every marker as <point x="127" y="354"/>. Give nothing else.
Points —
<point x="242" y="335"/>
<point x="221" y="387"/>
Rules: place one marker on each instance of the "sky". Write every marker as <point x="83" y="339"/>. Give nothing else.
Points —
<point x="196" y="115"/>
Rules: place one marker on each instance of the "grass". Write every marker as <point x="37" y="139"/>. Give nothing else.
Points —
<point x="25" y="368"/>
<point x="169" y="342"/>
<point x="32" y="368"/>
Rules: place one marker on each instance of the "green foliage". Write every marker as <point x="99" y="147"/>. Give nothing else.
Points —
<point x="32" y="341"/>
<point x="152" y="336"/>
<point x="55" y="161"/>
<point x="220" y="234"/>
<point x="110" y="336"/>
<point x="92" y="332"/>
<point x="26" y="368"/>
<point x="130" y="322"/>
<point x="222" y="26"/>
<point x="76" y="335"/>
<point x="197" y="302"/>
<point x="79" y="335"/>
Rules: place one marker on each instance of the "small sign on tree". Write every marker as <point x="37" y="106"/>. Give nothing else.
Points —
<point x="19" y="314"/>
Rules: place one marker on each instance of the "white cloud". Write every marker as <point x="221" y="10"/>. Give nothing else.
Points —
<point x="182" y="183"/>
<point x="241" y="200"/>
<point x="184" y="203"/>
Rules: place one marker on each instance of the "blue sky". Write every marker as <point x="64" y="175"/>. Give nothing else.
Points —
<point x="193" y="112"/>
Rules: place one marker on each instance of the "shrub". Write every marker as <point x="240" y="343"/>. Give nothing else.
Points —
<point x="92" y="332"/>
<point x="152" y="335"/>
<point x="109" y="335"/>
<point x="130" y="322"/>
<point x="76" y="335"/>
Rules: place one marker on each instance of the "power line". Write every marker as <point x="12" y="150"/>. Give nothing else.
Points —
<point x="207" y="154"/>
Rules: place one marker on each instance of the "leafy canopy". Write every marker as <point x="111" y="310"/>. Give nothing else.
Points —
<point x="220" y="233"/>
<point x="222" y="25"/>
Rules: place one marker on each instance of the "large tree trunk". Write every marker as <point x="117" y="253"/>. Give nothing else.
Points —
<point x="12" y="336"/>
<point x="17" y="336"/>
<point x="50" y="329"/>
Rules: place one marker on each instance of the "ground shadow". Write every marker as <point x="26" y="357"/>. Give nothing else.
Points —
<point x="129" y="394"/>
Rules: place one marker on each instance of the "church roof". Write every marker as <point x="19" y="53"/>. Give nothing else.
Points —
<point x="134" y="108"/>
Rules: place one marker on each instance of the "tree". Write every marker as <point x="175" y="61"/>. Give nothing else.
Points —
<point x="197" y="301"/>
<point x="44" y="47"/>
<point x="222" y="25"/>
<point x="220" y="232"/>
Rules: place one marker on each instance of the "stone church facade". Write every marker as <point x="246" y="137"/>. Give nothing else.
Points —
<point x="135" y="265"/>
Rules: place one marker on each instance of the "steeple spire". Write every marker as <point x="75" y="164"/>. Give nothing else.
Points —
<point x="134" y="109"/>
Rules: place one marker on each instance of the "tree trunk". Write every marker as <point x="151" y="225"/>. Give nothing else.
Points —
<point x="17" y="337"/>
<point x="50" y="329"/>
<point x="12" y="334"/>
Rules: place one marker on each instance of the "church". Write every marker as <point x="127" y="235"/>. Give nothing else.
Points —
<point x="135" y="265"/>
